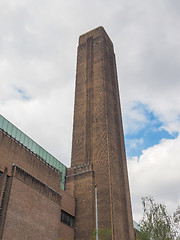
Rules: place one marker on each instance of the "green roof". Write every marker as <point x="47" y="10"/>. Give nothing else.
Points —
<point x="26" y="141"/>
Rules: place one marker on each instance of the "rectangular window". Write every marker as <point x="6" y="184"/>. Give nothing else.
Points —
<point x="67" y="218"/>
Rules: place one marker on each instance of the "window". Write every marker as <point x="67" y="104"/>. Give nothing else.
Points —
<point x="67" y="218"/>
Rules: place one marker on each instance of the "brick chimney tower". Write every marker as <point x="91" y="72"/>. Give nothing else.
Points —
<point x="98" y="151"/>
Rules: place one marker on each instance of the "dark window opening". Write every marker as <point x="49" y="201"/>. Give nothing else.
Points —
<point x="67" y="218"/>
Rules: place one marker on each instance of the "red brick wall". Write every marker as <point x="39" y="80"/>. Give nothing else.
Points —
<point x="29" y="211"/>
<point x="66" y="233"/>
<point x="13" y="153"/>
<point x="85" y="209"/>
<point x="31" y="215"/>
<point x="98" y="135"/>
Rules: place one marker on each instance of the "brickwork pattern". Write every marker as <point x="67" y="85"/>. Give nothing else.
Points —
<point x="36" y="185"/>
<point x="11" y="152"/>
<point x="83" y="184"/>
<point x="5" y="187"/>
<point x="30" y="214"/>
<point x="98" y="137"/>
<point x="33" y="182"/>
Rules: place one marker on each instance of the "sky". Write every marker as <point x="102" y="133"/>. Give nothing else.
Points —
<point x="38" y="46"/>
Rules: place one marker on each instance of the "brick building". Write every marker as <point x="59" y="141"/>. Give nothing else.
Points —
<point x="42" y="199"/>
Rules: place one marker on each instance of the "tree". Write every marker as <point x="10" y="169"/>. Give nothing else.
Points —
<point x="156" y="224"/>
<point x="103" y="234"/>
<point x="176" y="218"/>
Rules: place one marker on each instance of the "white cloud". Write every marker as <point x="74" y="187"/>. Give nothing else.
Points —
<point x="156" y="173"/>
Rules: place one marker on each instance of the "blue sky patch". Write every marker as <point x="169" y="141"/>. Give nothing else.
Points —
<point x="148" y="136"/>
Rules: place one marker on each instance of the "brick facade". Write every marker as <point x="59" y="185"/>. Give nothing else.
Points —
<point x="98" y="140"/>
<point x="33" y="210"/>
<point x="31" y="200"/>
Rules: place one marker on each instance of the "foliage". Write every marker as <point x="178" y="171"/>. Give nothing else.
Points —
<point x="156" y="223"/>
<point x="103" y="234"/>
<point x="176" y="217"/>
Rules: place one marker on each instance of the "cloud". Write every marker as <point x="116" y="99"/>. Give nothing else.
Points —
<point x="156" y="173"/>
<point x="148" y="70"/>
